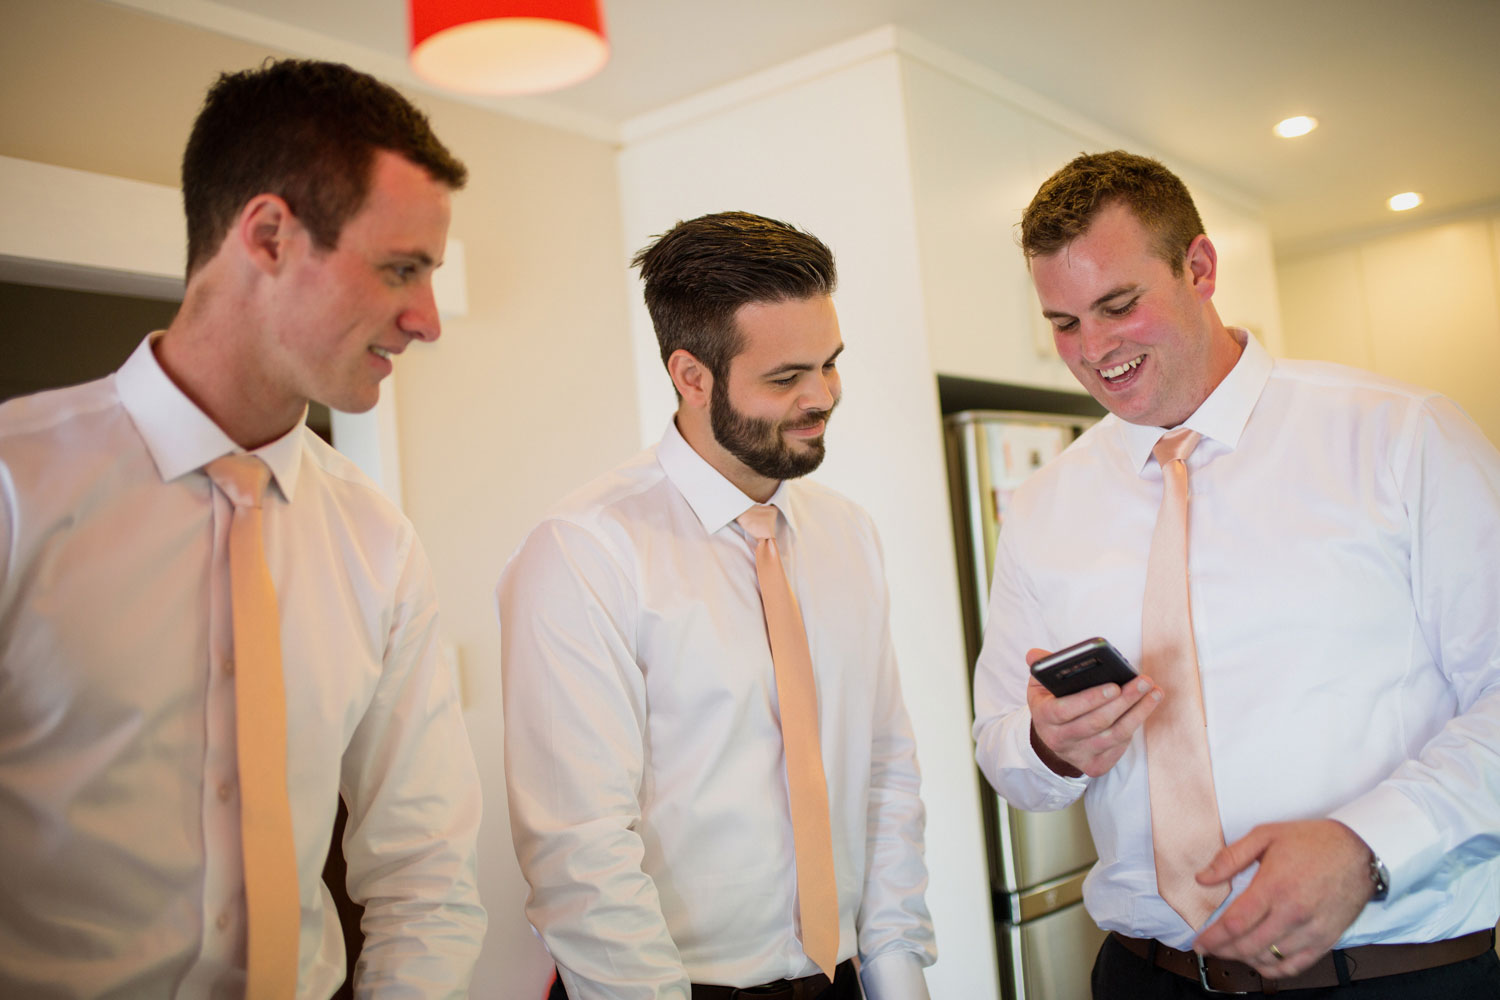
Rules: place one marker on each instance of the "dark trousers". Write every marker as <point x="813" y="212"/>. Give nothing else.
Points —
<point x="1120" y="974"/>
<point x="845" y="986"/>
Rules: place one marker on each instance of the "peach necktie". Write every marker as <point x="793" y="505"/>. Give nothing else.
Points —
<point x="1185" y="828"/>
<point x="273" y="913"/>
<point x="797" y="696"/>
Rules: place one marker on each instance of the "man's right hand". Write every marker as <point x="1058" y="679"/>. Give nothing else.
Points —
<point x="1086" y="732"/>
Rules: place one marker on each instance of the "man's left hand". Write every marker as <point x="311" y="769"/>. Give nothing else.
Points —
<point x="1314" y="879"/>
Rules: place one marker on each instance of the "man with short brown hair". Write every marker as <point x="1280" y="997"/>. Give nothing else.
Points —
<point x="698" y="814"/>
<point x="1338" y="624"/>
<point x="212" y="625"/>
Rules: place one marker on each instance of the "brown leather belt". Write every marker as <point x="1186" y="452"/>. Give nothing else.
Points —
<point x="1369" y="961"/>
<point x="806" y="988"/>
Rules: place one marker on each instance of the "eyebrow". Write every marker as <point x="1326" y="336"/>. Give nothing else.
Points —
<point x="1113" y="293"/>
<point x="798" y="366"/>
<point x="416" y="256"/>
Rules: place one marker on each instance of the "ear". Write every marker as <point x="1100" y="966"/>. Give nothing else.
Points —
<point x="1202" y="266"/>
<point x="264" y="230"/>
<point x="693" y="380"/>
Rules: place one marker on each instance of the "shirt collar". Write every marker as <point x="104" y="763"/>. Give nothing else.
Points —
<point x="715" y="500"/>
<point x="182" y="438"/>
<point x="1223" y="415"/>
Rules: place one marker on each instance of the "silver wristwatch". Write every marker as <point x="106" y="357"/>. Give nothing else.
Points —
<point x="1380" y="880"/>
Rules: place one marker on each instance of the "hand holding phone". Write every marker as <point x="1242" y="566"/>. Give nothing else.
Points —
<point x="1084" y="665"/>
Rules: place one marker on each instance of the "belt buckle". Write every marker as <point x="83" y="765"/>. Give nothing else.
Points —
<point x="1203" y="981"/>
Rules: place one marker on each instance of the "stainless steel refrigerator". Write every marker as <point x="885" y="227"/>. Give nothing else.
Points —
<point x="1046" y="940"/>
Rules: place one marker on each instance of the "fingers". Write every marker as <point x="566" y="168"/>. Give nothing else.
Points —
<point x="1298" y="942"/>
<point x="1248" y="929"/>
<point x="1091" y="729"/>
<point x="1236" y="857"/>
<point x="1311" y="884"/>
<point x="1072" y="708"/>
<point x="1149" y="696"/>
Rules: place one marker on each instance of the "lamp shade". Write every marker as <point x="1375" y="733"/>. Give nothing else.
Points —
<point x="507" y="46"/>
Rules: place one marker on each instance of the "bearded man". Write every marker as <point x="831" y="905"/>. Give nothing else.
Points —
<point x="708" y="795"/>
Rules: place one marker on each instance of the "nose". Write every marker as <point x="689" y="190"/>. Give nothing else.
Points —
<point x="1095" y="341"/>
<point x="419" y="319"/>
<point x="823" y="391"/>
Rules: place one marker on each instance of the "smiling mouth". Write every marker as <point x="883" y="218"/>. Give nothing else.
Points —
<point x="816" y="425"/>
<point x="1119" y="372"/>
<point x="380" y="352"/>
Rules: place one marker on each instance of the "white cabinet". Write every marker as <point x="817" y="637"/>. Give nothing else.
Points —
<point x="972" y="175"/>
<point x="977" y="159"/>
<point x="976" y="163"/>
<point x="1421" y="306"/>
<point x="1246" y="292"/>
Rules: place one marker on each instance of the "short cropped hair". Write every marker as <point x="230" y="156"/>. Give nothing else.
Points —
<point x="700" y="272"/>
<point x="1070" y="200"/>
<point x="307" y="132"/>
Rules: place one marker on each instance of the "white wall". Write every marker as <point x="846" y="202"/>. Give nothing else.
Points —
<point x="829" y="154"/>
<point x="1421" y="305"/>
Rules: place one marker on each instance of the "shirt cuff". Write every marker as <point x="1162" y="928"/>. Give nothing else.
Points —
<point x="895" y="975"/>
<point x="1397" y="831"/>
<point x="1060" y="788"/>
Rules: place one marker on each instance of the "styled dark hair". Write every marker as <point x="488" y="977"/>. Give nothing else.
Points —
<point x="700" y="272"/>
<point x="305" y="131"/>
<point x="1069" y="200"/>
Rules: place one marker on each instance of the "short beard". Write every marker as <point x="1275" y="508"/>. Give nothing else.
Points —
<point x="758" y="443"/>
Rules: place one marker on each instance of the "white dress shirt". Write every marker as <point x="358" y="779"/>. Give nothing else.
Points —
<point x="120" y="862"/>
<point x="1344" y="553"/>
<point x="648" y="793"/>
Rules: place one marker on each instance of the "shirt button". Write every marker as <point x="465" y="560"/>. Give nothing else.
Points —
<point x="229" y="667"/>
<point x="223" y="922"/>
<point x="225" y="791"/>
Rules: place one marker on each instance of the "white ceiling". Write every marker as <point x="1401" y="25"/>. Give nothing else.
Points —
<point x="1408" y="93"/>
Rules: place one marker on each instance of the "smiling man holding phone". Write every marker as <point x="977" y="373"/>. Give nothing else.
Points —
<point x="1299" y="790"/>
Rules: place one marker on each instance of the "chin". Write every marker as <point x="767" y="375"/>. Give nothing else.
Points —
<point x="354" y="402"/>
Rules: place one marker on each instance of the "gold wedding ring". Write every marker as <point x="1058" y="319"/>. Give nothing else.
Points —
<point x="1276" y="954"/>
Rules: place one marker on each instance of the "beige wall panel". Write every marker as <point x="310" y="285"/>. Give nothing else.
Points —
<point x="1323" y="307"/>
<point x="100" y="88"/>
<point x="1434" y="313"/>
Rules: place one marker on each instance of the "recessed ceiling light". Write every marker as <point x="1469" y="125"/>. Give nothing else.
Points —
<point x="1290" y="128"/>
<point x="1405" y="200"/>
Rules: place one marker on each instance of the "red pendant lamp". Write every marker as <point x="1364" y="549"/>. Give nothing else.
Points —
<point x="507" y="46"/>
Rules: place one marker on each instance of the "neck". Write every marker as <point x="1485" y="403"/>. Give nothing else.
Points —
<point x="1224" y="350"/>
<point x="208" y="353"/>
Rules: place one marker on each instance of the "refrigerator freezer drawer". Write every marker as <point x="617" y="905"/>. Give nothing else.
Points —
<point x="1034" y="847"/>
<point x="1051" y="957"/>
<point x="1050" y="896"/>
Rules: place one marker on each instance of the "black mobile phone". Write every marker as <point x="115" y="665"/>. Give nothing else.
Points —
<point x="1088" y="664"/>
